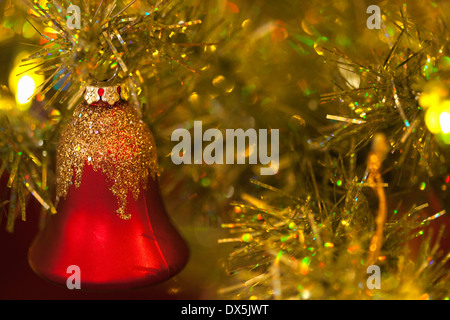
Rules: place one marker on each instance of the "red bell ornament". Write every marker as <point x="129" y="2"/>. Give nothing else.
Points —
<point x="110" y="222"/>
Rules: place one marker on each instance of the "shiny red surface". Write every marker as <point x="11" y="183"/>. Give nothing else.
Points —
<point x="112" y="253"/>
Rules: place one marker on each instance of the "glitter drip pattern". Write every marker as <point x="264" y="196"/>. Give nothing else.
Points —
<point x="112" y="139"/>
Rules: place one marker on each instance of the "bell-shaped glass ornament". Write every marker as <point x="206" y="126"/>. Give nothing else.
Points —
<point x="111" y="221"/>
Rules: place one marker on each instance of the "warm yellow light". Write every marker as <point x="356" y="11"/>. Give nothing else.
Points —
<point x="444" y="121"/>
<point x="432" y="120"/>
<point x="25" y="89"/>
<point x="429" y="100"/>
<point x="433" y="95"/>
<point x="23" y="82"/>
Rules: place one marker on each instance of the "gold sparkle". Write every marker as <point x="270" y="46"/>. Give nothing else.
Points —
<point x="112" y="139"/>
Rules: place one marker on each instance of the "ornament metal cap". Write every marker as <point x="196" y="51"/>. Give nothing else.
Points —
<point x="109" y="90"/>
<point x="108" y="94"/>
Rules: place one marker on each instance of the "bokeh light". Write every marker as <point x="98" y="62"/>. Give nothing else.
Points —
<point x="23" y="82"/>
<point x="25" y="89"/>
<point x="444" y="121"/>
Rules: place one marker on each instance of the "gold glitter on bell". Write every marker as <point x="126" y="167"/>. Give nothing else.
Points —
<point x="107" y="133"/>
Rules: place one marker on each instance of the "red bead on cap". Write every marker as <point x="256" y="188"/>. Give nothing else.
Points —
<point x="109" y="94"/>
